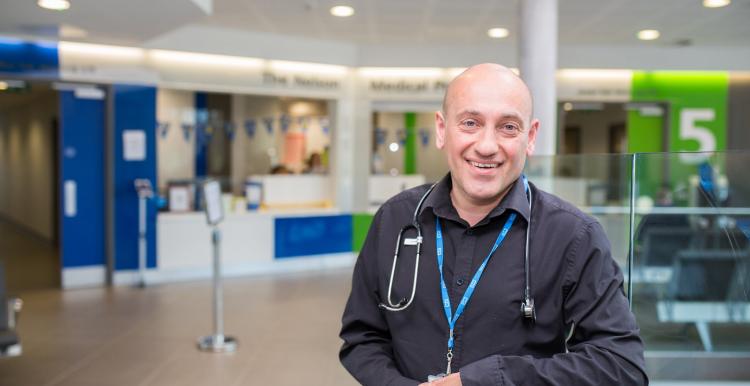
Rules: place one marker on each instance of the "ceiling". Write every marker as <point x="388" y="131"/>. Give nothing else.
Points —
<point x="588" y="22"/>
<point x="466" y="22"/>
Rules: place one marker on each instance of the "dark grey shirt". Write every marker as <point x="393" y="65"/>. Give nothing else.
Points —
<point x="574" y="282"/>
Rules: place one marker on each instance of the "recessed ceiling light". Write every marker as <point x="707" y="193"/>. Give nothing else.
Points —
<point x="498" y="33"/>
<point x="567" y="106"/>
<point x="342" y="11"/>
<point x="55" y="5"/>
<point x="648" y="34"/>
<point x="716" y="3"/>
<point x="393" y="147"/>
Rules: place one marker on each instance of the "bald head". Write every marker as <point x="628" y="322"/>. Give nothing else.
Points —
<point x="489" y="75"/>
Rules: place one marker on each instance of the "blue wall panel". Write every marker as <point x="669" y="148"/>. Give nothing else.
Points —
<point x="301" y="236"/>
<point x="135" y="109"/>
<point x="201" y="139"/>
<point x="82" y="162"/>
<point x="28" y="59"/>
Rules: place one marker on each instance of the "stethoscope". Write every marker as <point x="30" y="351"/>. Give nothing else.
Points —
<point x="528" y="309"/>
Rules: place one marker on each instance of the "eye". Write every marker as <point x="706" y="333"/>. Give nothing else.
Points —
<point x="510" y="128"/>
<point x="470" y="123"/>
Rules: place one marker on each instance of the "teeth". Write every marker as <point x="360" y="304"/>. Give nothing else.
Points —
<point x="481" y="165"/>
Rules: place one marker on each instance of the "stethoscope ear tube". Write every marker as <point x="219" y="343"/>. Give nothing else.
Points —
<point x="404" y="303"/>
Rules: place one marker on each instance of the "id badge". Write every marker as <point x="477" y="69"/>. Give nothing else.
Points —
<point x="431" y="378"/>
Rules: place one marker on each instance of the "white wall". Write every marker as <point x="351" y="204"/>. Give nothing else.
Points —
<point x="27" y="167"/>
<point x="176" y="155"/>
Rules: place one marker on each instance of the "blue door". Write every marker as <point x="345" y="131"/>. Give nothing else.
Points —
<point x="82" y="211"/>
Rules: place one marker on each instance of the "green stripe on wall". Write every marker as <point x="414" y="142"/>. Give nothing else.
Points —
<point x="360" y="226"/>
<point x="410" y="152"/>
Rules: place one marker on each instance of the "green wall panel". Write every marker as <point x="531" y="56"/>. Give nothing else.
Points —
<point x="410" y="150"/>
<point x="360" y="225"/>
<point x="697" y="107"/>
<point x="697" y="115"/>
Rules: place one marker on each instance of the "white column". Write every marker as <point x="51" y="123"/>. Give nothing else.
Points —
<point x="350" y="150"/>
<point x="538" y="64"/>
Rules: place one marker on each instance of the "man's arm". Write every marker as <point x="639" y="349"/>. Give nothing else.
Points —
<point x="605" y="349"/>
<point x="367" y="352"/>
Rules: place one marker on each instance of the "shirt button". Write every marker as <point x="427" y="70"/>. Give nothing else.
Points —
<point x="460" y="282"/>
<point x="469" y="232"/>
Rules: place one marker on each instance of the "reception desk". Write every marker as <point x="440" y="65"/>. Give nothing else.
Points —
<point x="253" y="242"/>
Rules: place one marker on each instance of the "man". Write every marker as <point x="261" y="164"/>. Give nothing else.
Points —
<point x="472" y="330"/>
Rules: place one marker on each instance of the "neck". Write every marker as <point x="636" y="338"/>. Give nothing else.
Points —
<point x="473" y="211"/>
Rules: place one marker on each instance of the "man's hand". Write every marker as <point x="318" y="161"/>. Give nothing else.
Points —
<point x="451" y="380"/>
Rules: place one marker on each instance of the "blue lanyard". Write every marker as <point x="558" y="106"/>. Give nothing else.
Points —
<point x="472" y="285"/>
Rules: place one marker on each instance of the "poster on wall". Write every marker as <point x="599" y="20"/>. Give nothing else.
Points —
<point x="134" y="145"/>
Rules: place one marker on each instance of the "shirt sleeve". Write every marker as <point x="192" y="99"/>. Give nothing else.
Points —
<point x="605" y="348"/>
<point x="367" y="352"/>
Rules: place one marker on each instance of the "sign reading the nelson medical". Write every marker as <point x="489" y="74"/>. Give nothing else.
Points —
<point x="301" y="81"/>
<point x="407" y="85"/>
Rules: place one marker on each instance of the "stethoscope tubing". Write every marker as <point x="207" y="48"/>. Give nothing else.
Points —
<point x="527" y="306"/>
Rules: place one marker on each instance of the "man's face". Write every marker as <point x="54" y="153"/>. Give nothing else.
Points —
<point x="486" y="133"/>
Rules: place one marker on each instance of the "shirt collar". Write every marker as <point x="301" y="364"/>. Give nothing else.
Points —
<point x="439" y="201"/>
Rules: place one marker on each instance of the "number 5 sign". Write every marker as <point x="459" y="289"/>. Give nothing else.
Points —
<point x="690" y="129"/>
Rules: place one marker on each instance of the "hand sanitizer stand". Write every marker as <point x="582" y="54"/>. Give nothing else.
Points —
<point x="145" y="193"/>
<point x="218" y="342"/>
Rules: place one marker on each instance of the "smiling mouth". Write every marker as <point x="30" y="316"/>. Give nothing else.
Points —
<point x="484" y="165"/>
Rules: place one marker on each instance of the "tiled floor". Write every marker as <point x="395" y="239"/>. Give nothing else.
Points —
<point x="287" y="328"/>
<point x="30" y="261"/>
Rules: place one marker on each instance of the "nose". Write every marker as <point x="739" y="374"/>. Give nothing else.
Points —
<point x="486" y="145"/>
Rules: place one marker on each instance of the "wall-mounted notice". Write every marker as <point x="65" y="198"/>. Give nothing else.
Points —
<point x="134" y="145"/>
<point x="179" y="199"/>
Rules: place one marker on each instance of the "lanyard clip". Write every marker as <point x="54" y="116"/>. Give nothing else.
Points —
<point x="449" y="357"/>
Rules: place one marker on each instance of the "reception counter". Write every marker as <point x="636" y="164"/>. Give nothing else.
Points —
<point x="253" y="243"/>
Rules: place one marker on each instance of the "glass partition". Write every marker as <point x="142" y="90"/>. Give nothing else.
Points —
<point x="692" y="251"/>
<point x="598" y="184"/>
<point x="686" y="226"/>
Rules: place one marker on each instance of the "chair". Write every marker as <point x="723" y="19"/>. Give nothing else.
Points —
<point x="707" y="286"/>
<point x="659" y="237"/>
<point x="10" y="344"/>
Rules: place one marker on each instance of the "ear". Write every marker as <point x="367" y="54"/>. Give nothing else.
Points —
<point x="533" y="129"/>
<point x="439" y="130"/>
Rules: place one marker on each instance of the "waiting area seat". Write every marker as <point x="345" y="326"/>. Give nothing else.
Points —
<point x="661" y="237"/>
<point x="707" y="286"/>
<point x="10" y="344"/>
